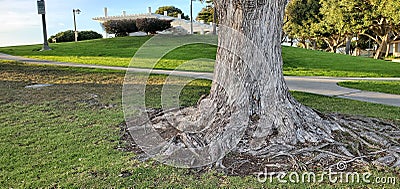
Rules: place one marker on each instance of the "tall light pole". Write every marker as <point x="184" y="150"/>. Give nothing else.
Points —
<point x="75" y="11"/>
<point x="214" y="32"/>
<point x="191" y="16"/>
<point x="42" y="11"/>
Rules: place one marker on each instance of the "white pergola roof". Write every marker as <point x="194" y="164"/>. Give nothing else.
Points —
<point x="133" y="16"/>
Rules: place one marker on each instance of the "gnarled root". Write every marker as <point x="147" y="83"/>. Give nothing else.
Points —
<point x="333" y="141"/>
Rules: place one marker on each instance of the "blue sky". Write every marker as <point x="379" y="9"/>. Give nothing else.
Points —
<point x="20" y="24"/>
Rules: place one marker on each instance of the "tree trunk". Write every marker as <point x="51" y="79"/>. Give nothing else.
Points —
<point x="382" y="47"/>
<point x="314" y="43"/>
<point x="331" y="44"/>
<point x="348" y="45"/>
<point x="303" y="43"/>
<point x="387" y="49"/>
<point x="248" y="71"/>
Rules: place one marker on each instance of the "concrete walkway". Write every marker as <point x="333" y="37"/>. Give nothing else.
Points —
<point x="318" y="85"/>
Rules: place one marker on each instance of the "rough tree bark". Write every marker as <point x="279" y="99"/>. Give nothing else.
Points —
<point x="382" y="49"/>
<point x="249" y="90"/>
<point x="274" y="117"/>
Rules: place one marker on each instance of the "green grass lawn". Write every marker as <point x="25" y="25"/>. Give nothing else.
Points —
<point x="123" y="47"/>
<point x="69" y="134"/>
<point x="317" y="63"/>
<point x="114" y="51"/>
<point x="391" y="87"/>
<point x="119" y="51"/>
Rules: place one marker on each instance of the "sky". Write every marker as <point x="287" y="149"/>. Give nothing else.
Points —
<point x="20" y="23"/>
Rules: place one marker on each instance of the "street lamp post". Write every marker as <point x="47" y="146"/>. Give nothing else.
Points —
<point x="75" y="11"/>
<point x="191" y="16"/>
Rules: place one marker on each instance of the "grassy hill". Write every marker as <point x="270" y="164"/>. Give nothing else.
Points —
<point x="119" y="51"/>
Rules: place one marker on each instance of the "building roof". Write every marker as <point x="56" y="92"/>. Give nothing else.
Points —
<point x="134" y="16"/>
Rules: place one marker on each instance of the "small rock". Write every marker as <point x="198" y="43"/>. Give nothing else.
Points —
<point x="125" y="174"/>
<point x="36" y="86"/>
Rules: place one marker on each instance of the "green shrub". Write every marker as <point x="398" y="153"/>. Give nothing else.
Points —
<point x="69" y="36"/>
<point x="65" y="36"/>
<point x="120" y="27"/>
<point x="152" y="25"/>
<point x="87" y="35"/>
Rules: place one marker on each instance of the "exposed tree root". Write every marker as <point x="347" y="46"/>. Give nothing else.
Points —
<point x="356" y="141"/>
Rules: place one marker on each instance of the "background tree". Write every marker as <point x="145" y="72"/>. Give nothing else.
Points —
<point x="206" y="14"/>
<point x="172" y="11"/>
<point x="207" y="10"/>
<point x="383" y="19"/>
<point x="120" y="27"/>
<point x="302" y="16"/>
<point x="340" y="21"/>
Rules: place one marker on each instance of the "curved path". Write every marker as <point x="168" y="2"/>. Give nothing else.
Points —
<point x="318" y="85"/>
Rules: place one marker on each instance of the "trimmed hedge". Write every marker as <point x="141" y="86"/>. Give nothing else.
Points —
<point x="120" y="27"/>
<point x="87" y="35"/>
<point x="152" y="25"/>
<point x="69" y="36"/>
